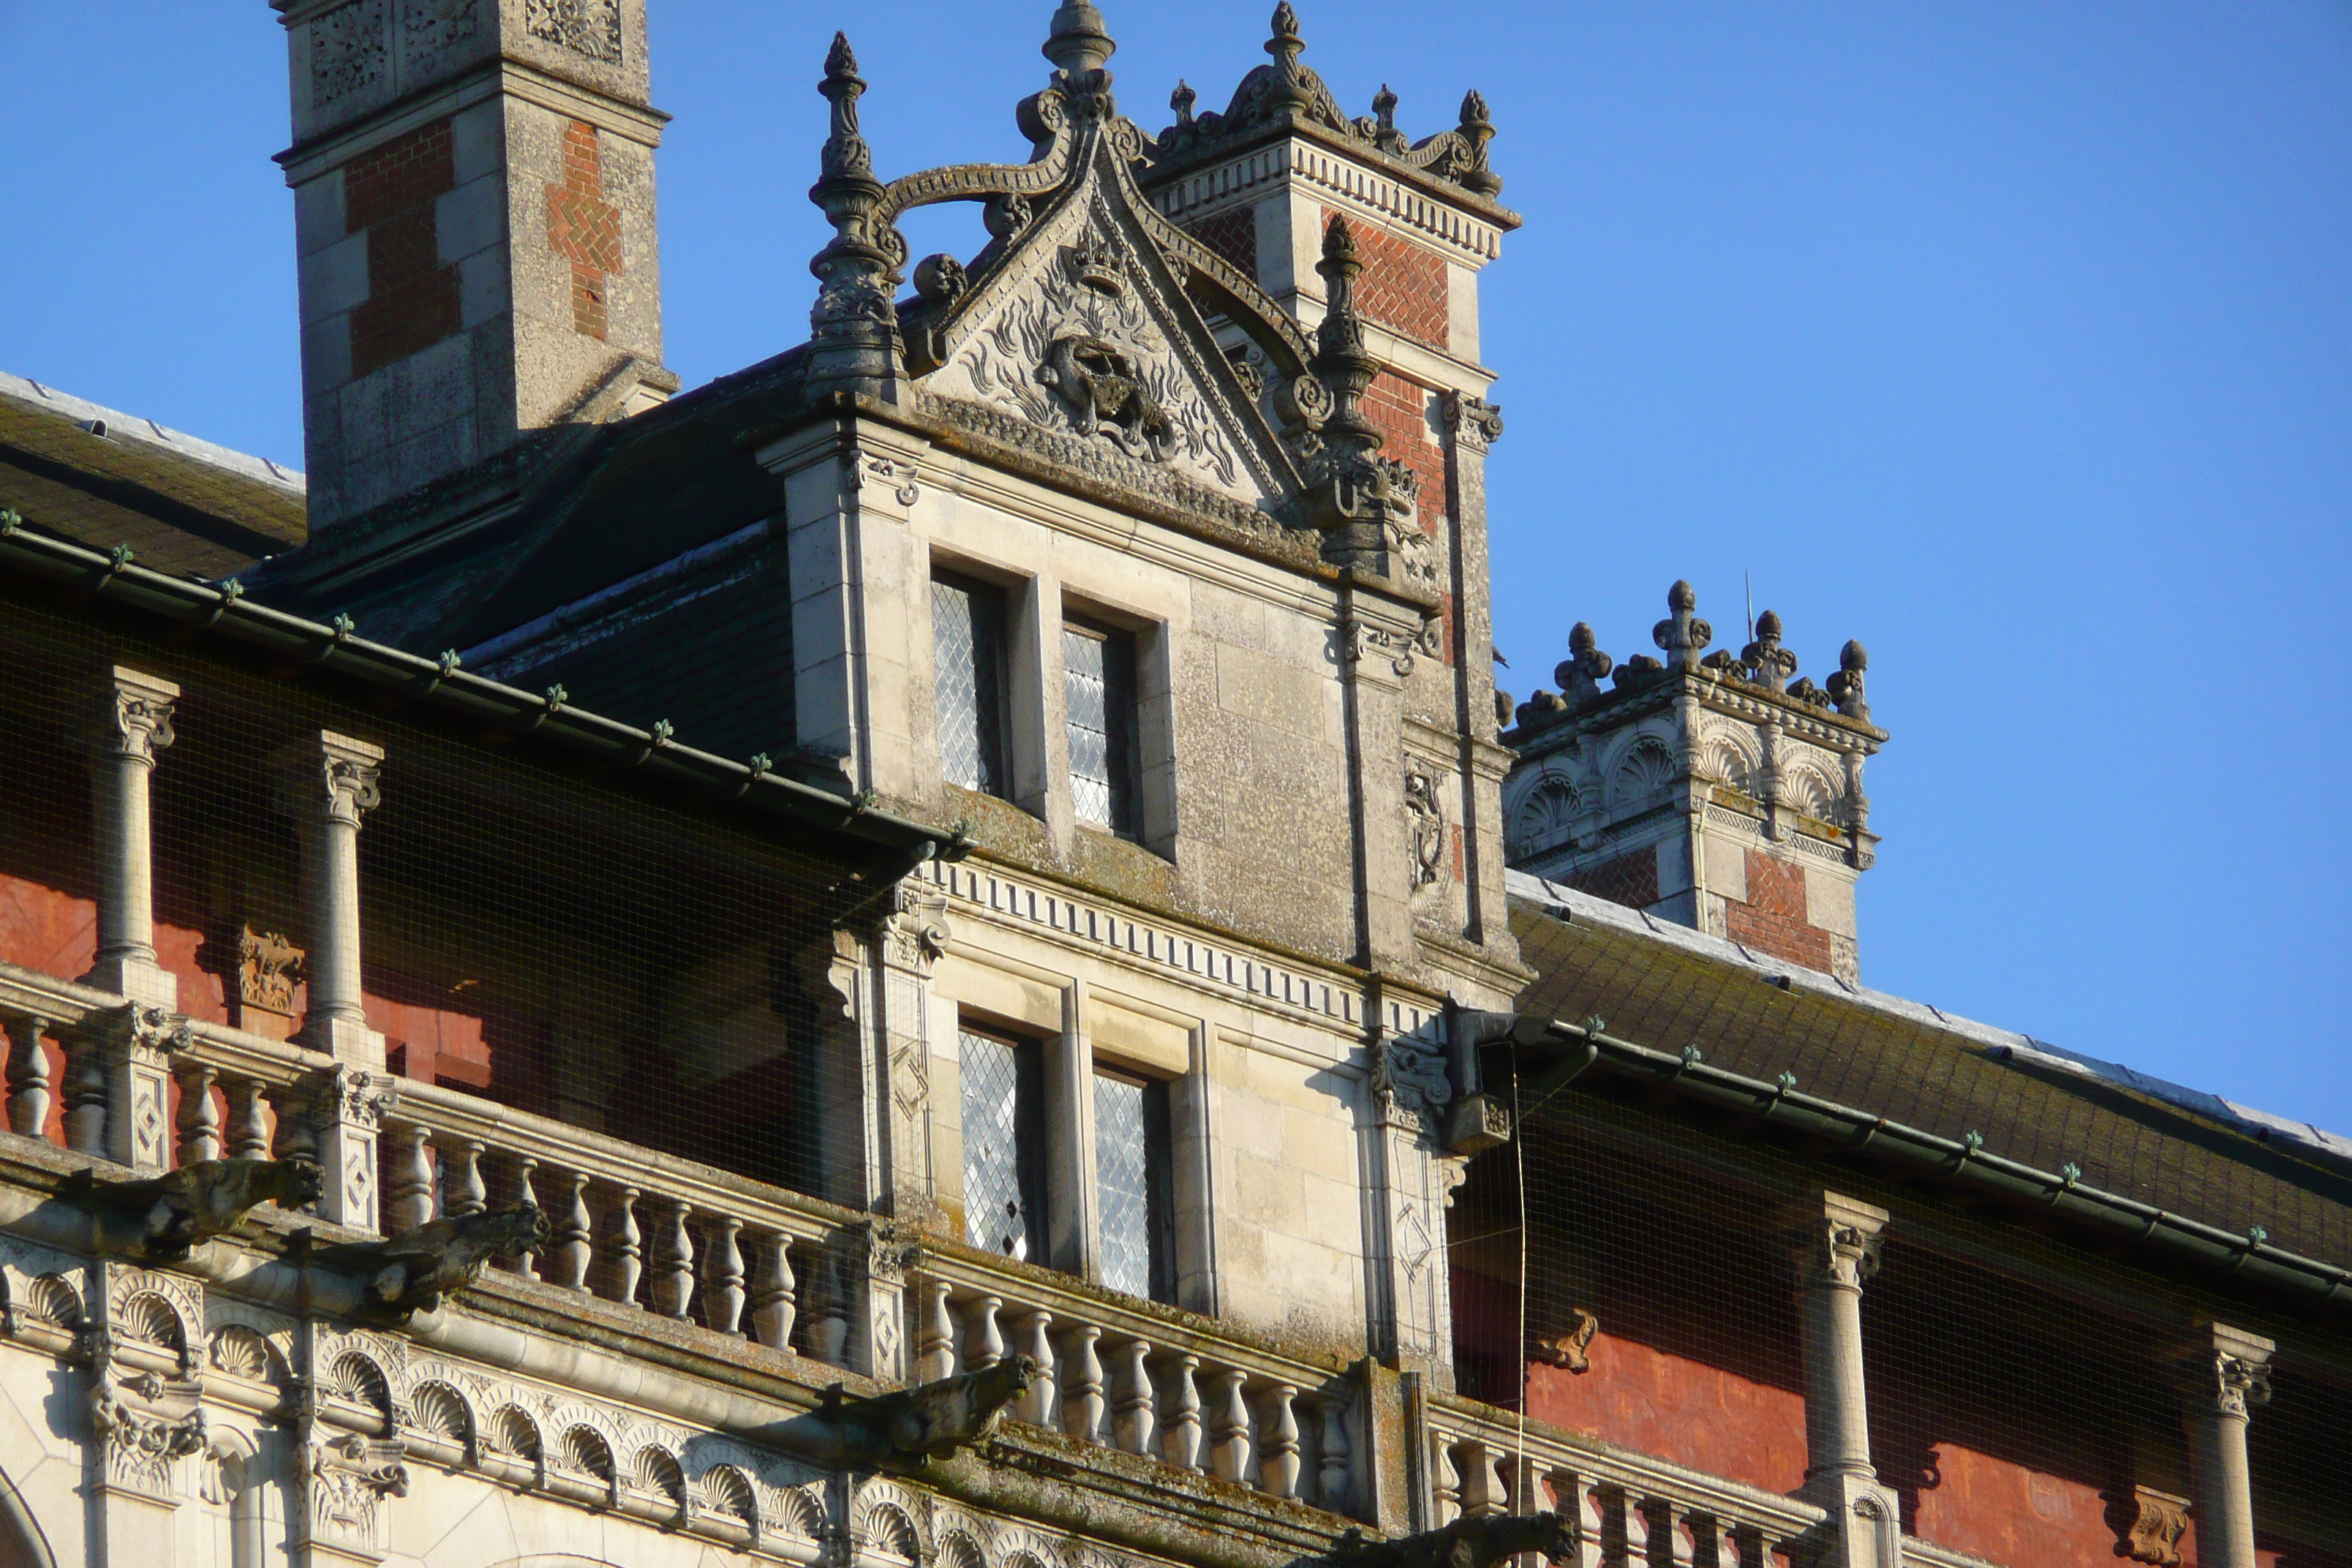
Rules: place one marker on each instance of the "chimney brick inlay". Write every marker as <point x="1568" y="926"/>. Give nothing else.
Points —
<point x="584" y="228"/>
<point x="390" y="194"/>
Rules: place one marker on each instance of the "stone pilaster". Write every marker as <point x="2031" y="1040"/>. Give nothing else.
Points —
<point x="131" y="1048"/>
<point x="1412" y="1184"/>
<point x="144" y="1422"/>
<point x="882" y="1253"/>
<point x="1836" y="1243"/>
<point x="129" y="727"/>
<point x="912" y="938"/>
<point x="344" y="1125"/>
<point x="2224" y="1377"/>
<point x="344" y="1483"/>
<point x="327" y="785"/>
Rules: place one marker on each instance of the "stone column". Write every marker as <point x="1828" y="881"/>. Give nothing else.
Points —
<point x="131" y="723"/>
<point x="1836" y="1249"/>
<point x="327" y="785"/>
<point x="2228" y="1373"/>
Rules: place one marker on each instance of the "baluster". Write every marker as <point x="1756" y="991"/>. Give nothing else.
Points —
<point x="937" y="1357"/>
<point x="1444" y="1480"/>
<point x="1082" y="1401"/>
<point x="29" y="1091"/>
<point x="462" y="1189"/>
<point x="1673" y="1541"/>
<point x="199" y="1120"/>
<point x="984" y="1342"/>
<point x="408" y="1195"/>
<point x="1633" y="1528"/>
<point x="525" y="1265"/>
<point x="1720" y="1539"/>
<point x="829" y="1315"/>
<point x="776" y="1299"/>
<point x="1482" y="1487"/>
<point x="573" y="1246"/>
<point x="1593" y="1523"/>
<point x="248" y="1119"/>
<point x="85" y="1096"/>
<point x="624" y="1251"/>
<point x="722" y="1291"/>
<point x="1131" y="1398"/>
<point x="1278" y="1470"/>
<point x="1179" y="1444"/>
<point x="1036" y="1341"/>
<point x="1332" y="1476"/>
<point x="673" y="1290"/>
<point x="1229" y="1434"/>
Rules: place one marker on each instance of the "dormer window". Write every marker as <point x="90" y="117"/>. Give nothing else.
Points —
<point x="968" y="652"/>
<point x="1098" y="671"/>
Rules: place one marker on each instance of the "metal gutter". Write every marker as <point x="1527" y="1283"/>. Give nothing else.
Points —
<point x="1964" y="1163"/>
<point x="223" y="612"/>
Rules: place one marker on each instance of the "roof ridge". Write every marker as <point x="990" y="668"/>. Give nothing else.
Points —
<point x="115" y="425"/>
<point x="2001" y="1045"/>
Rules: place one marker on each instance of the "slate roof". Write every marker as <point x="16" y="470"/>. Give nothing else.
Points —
<point x="186" y="507"/>
<point x="1665" y="989"/>
<point x="600" y="505"/>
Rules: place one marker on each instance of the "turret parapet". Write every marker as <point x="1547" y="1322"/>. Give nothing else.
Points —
<point x="1288" y="95"/>
<point x="1719" y="790"/>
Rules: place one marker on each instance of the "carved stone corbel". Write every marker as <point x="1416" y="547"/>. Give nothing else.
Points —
<point x="345" y="1482"/>
<point x="138" y="1439"/>
<point x="2148" y="1525"/>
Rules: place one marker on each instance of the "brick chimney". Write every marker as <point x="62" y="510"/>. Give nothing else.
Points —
<point x="1716" y="792"/>
<point x="474" y="214"/>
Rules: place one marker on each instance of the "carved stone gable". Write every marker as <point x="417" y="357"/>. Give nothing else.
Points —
<point x="1082" y="334"/>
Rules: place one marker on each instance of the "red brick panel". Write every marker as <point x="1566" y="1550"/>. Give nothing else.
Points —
<point x="584" y="228"/>
<point x="1997" y="1509"/>
<point x="1400" y="411"/>
<point x="1404" y="287"/>
<point x="402" y="173"/>
<point x="1655" y="1402"/>
<point x="389" y="194"/>
<point x="1773" y="919"/>
<point x="1629" y="879"/>
<point x="1233" y="236"/>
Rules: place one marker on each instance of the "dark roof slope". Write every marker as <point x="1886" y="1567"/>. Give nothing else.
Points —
<point x="184" y="507"/>
<point x="1663" y="995"/>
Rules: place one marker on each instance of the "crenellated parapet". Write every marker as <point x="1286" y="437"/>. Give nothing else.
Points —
<point x="1719" y="790"/>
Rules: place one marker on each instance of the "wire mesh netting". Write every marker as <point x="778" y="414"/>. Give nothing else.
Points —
<point x="2031" y="1398"/>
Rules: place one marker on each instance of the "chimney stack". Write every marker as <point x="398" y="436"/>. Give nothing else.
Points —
<point x="1717" y="792"/>
<point x="474" y="214"/>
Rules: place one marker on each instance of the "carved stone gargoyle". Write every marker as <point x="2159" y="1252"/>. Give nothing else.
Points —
<point x="1465" y="1544"/>
<point x="407" y="1274"/>
<point x="172" y="1214"/>
<point x="903" y="1431"/>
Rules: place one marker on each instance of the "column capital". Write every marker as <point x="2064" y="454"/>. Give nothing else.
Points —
<point x="332" y="778"/>
<point x="1475" y="423"/>
<point x="133" y="717"/>
<point x="2226" y="1370"/>
<point x="1835" y="1240"/>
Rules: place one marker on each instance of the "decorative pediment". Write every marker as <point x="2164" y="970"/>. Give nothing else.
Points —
<point x="1081" y="329"/>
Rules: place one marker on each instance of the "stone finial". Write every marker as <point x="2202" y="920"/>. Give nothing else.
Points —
<point x="1581" y="674"/>
<point x="1286" y="46"/>
<point x="1183" y="101"/>
<point x="1683" y="633"/>
<point x="1772" y="664"/>
<point x="1385" y="134"/>
<point x="1845" y="688"/>
<point x="1478" y="128"/>
<point x="1077" y="43"/>
<point x="1342" y="359"/>
<point x="853" y="326"/>
<point x="845" y="151"/>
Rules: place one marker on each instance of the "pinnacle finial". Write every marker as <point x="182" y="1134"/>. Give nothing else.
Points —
<point x="1477" y="129"/>
<point x="1853" y="657"/>
<point x="1683" y="633"/>
<point x="1474" y="109"/>
<point x="1078" y="43"/>
<point x="1339" y="241"/>
<point x="1847" y="686"/>
<point x="1286" y="46"/>
<point x="1182" y="99"/>
<point x="1772" y="664"/>
<point x="845" y="151"/>
<point x="1384" y="107"/>
<point x="1579" y="675"/>
<point x="840" y="61"/>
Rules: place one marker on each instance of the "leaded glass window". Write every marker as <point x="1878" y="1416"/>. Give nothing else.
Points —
<point x="1001" y="1176"/>
<point x="968" y="666"/>
<point x="1099" y="674"/>
<point x="1130" y="1182"/>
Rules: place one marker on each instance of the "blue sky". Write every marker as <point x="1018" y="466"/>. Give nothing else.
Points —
<point x="2014" y="340"/>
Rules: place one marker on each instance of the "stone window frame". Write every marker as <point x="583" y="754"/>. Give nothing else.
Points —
<point x="1155" y="761"/>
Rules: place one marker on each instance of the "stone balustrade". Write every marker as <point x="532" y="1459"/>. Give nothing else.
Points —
<point x="1626" y="1509"/>
<point x="1156" y="1383"/>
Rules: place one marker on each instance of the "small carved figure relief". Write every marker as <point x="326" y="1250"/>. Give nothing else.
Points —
<point x="2149" y="1526"/>
<point x="1425" y="820"/>
<point x="590" y="28"/>
<point x="1099" y="387"/>
<point x="1570" y="1350"/>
